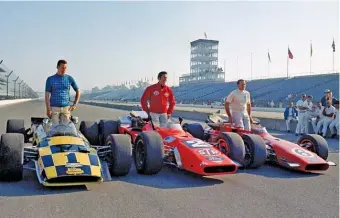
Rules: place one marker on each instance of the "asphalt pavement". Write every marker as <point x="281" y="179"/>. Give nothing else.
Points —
<point x="266" y="192"/>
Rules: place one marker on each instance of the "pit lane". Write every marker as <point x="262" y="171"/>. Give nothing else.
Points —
<point x="267" y="192"/>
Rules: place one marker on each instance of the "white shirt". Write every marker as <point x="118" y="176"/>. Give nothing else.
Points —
<point x="238" y="100"/>
<point x="318" y="112"/>
<point x="309" y="105"/>
<point x="300" y="103"/>
<point x="330" y="110"/>
<point x="336" y="112"/>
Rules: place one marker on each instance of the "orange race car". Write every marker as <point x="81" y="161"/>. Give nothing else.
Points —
<point x="309" y="154"/>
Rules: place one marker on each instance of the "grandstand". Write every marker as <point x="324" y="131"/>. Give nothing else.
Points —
<point x="262" y="91"/>
<point x="206" y="83"/>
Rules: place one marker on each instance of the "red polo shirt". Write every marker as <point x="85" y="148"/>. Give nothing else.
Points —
<point x="158" y="97"/>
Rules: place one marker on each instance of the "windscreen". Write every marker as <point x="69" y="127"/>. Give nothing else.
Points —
<point x="64" y="130"/>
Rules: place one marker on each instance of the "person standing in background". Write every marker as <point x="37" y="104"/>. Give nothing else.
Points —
<point x="300" y="128"/>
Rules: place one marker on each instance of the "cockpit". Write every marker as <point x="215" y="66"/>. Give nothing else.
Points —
<point x="63" y="130"/>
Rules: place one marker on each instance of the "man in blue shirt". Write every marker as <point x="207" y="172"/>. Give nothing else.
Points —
<point x="57" y="94"/>
<point x="290" y="114"/>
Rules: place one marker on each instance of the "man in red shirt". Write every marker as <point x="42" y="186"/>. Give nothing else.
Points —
<point x="158" y="96"/>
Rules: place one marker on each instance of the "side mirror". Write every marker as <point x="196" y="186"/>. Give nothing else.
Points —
<point x="46" y="121"/>
<point x="75" y="120"/>
<point x="180" y="119"/>
<point x="206" y="121"/>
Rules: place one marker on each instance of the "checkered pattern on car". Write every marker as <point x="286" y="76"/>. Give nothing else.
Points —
<point x="53" y="160"/>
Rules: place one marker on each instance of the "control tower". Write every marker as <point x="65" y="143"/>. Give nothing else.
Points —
<point x="203" y="63"/>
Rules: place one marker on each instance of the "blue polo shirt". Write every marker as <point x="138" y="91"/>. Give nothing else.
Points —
<point x="59" y="87"/>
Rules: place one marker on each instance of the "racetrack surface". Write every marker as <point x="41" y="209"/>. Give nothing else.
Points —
<point x="266" y="192"/>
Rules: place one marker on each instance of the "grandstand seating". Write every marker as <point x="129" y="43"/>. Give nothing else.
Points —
<point x="264" y="90"/>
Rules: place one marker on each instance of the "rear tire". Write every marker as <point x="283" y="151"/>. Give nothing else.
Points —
<point x="15" y="126"/>
<point x="121" y="155"/>
<point x="319" y="143"/>
<point x="236" y="149"/>
<point x="11" y="157"/>
<point x="107" y="127"/>
<point x="195" y="129"/>
<point x="91" y="131"/>
<point x="257" y="151"/>
<point x="148" y="153"/>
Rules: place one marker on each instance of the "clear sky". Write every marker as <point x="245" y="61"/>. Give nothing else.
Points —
<point x="110" y="42"/>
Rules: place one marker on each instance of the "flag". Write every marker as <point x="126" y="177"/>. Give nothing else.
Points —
<point x="205" y="34"/>
<point x="333" y="46"/>
<point x="269" y="58"/>
<point x="311" y="49"/>
<point x="290" y="54"/>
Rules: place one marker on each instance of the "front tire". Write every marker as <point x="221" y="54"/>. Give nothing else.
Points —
<point x="121" y="154"/>
<point x="318" y="144"/>
<point x="148" y="153"/>
<point x="232" y="145"/>
<point x="256" y="153"/>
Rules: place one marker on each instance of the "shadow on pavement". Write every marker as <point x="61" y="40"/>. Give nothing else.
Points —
<point x="275" y="171"/>
<point x="30" y="186"/>
<point x="169" y="178"/>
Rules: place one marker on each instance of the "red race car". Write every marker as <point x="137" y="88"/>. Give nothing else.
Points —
<point x="309" y="154"/>
<point x="155" y="146"/>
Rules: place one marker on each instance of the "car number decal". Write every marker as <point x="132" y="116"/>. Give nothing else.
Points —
<point x="197" y="144"/>
<point x="207" y="152"/>
<point x="302" y="152"/>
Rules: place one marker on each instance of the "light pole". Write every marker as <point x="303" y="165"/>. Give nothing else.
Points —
<point x="7" y="80"/>
<point x="20" y="88"/>
<point x="15" y="84"/>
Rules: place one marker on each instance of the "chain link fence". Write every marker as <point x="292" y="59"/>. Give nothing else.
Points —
<point x="12" y="86"/>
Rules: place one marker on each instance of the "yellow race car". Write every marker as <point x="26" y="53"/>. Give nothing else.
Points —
<point x="60" y="154"/>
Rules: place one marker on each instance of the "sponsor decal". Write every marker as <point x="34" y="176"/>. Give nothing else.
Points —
<point x="73" y="165"/>
<point x="302" y="152"/>
<point x="197" y="144"/>
<point x="207" y="152"/>
<point x="156" y="93"/>
<point x="74" y="171"/>
<point x="169" y="139"/>
<point x="215" y="158"/>
<point x="166" y="94"/>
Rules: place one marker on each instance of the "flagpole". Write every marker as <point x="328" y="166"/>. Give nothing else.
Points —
<point x="310" y="58"/>
<point x="287" y="62"/>
<point x="268" y="63"/>
<point x="268" y="69"/>
<point x="333" y="62"/>
<point x="224" y="70"/>
<point x="237" y="68"/>
<point x="251" y="66"/>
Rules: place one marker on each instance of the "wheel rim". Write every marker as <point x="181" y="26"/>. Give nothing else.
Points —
<point x="247" y="156"/>
<point x="140" y="154"/>
<point x="309" y="145"/>
<point x="223" y="147"/>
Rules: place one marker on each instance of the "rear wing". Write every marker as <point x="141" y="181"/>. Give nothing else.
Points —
<point x="37" y="120"/>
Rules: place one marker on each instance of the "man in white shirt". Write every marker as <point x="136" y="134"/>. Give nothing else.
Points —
<point x="317" y="117"/>
<point x="335" y="123"/>
<point x="328" y="113"/>
<point x="308" y="104"/>
<point x="239" y="101"/>
<point x="300" y="127"/>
